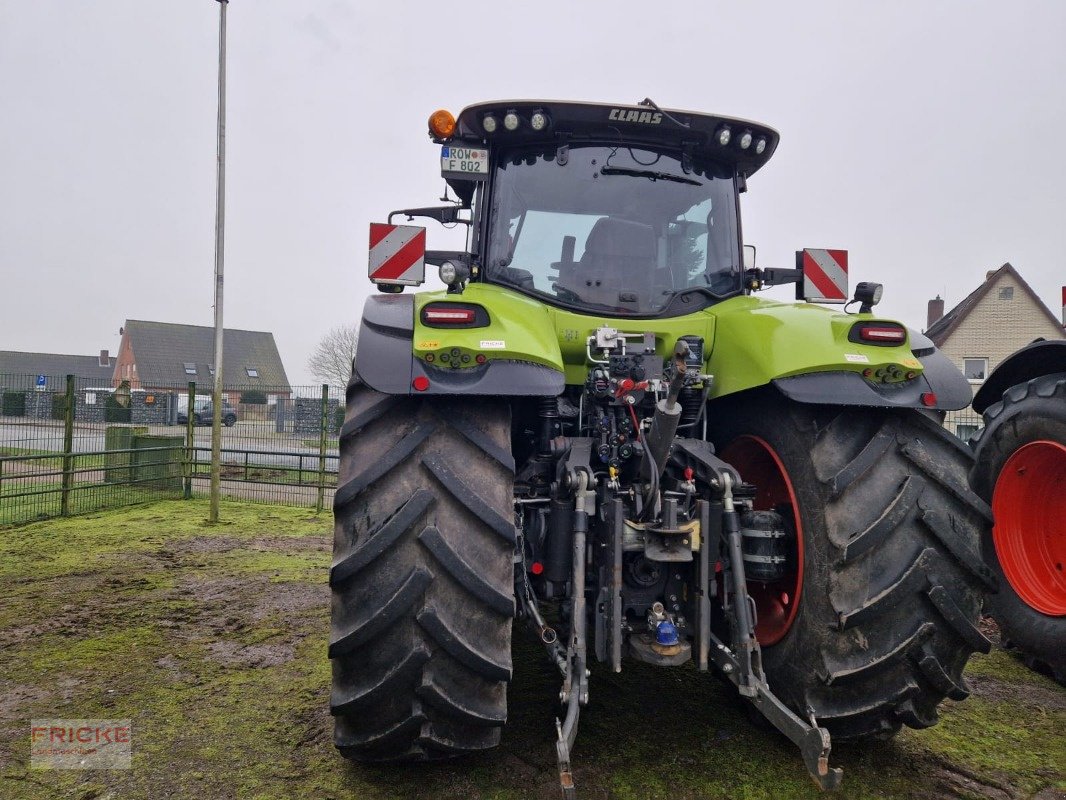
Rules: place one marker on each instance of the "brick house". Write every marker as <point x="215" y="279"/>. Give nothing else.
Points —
<point x="165" y="357"/>
<point x="995" y="319"/>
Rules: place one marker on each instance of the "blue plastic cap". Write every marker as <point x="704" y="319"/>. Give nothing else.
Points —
<point x="666" y="633"/>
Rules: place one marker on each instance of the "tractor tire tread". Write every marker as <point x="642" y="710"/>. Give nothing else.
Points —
<point x="422" y="576"/>
<point x="888" y="619"/>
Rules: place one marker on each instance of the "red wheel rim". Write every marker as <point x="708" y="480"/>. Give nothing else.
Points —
<point x="776" y="603"/>
<point x="1029" y="506"/>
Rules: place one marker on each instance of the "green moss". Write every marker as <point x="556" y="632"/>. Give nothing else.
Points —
<point x="61" y="654"/>
<point x="1002" y="665"/>
<point x="997" y="739"/>
<point x="102" y="541"/>
<point x="279" y="567"/>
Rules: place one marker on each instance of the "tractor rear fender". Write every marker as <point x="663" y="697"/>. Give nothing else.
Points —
<point x="1042" y="357"/>
<point x="394" y="343"/>
<point x="813" y="354"/>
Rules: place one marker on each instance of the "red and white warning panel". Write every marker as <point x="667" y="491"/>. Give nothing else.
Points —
<point x="397" y="254"/>
<point x="825" y="275"/>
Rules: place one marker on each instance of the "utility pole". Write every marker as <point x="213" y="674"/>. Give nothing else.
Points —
<point x="220" y="235"/>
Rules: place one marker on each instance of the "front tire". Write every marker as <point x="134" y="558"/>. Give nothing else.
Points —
<point x="1021" y="470"/>
<point x="875" y="625"/>
<point x="422" y="578"/>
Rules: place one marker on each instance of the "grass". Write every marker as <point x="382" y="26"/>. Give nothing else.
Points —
<point x="212" y="639"/>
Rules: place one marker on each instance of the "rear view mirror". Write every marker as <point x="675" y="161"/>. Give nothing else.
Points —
<point x="749" y="256"/>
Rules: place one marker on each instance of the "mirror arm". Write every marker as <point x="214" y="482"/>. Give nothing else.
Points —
<point x="764" y="278"/>
<point x="445" y="215"/>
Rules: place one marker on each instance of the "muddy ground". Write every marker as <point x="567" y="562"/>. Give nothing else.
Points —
<point x="212" y="640"/>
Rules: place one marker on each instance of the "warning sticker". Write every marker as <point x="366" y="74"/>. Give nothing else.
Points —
<point x="397" y="254"/>
<point x="856" y="358"/>
<point x="825" y="275"/>
<point x="493" y="344"/>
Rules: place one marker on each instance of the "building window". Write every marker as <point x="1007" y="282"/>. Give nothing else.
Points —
<point x="975" y="369"/>
<point x="1006" y="293"/>
<point x="211" y="369"/>
<point x="966" y="430"/>
<point x="190" y="368"/>
<point x="252" y="372"/>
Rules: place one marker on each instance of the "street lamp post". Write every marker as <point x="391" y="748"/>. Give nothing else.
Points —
<point x="220" y="230"/>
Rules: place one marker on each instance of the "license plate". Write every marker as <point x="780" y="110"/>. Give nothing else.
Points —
<point x="468" y="163"/>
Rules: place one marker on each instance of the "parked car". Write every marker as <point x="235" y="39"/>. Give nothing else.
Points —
<point x="205" y="412"/>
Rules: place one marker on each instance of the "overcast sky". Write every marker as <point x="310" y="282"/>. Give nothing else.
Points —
<point x="924" y="137"/>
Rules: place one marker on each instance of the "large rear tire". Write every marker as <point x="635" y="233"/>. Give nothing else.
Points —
<point x="422" y="576"/>
<point x="1021" y="470"/>
<point x="876" y="621"/>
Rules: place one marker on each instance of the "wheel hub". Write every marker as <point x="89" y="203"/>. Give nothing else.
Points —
<point x="777" y="602"/>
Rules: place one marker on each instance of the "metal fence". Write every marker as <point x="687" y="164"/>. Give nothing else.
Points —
<point x="69" y="445"/>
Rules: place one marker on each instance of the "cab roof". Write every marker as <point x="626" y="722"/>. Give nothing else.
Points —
<point x="644" y="123"/>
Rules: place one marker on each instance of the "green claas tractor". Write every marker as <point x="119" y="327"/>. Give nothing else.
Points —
<point x="600" y="431"/>
<point x="1021" y="471"/>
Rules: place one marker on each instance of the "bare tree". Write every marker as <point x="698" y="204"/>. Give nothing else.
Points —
<point x="331" y="361"/>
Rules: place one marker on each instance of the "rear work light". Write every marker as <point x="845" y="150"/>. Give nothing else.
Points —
<point x="454" y="315"/>
<point x="887" y="333"/>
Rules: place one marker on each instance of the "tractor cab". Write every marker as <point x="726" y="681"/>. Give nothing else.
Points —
<point x="619" y="211"/>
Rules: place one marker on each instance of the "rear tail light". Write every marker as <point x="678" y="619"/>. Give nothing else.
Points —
<point x="454" y="315"/>
<point x="449" y="316"/>
<point x="872" y="333"/>
<point x="888" y="333"/>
